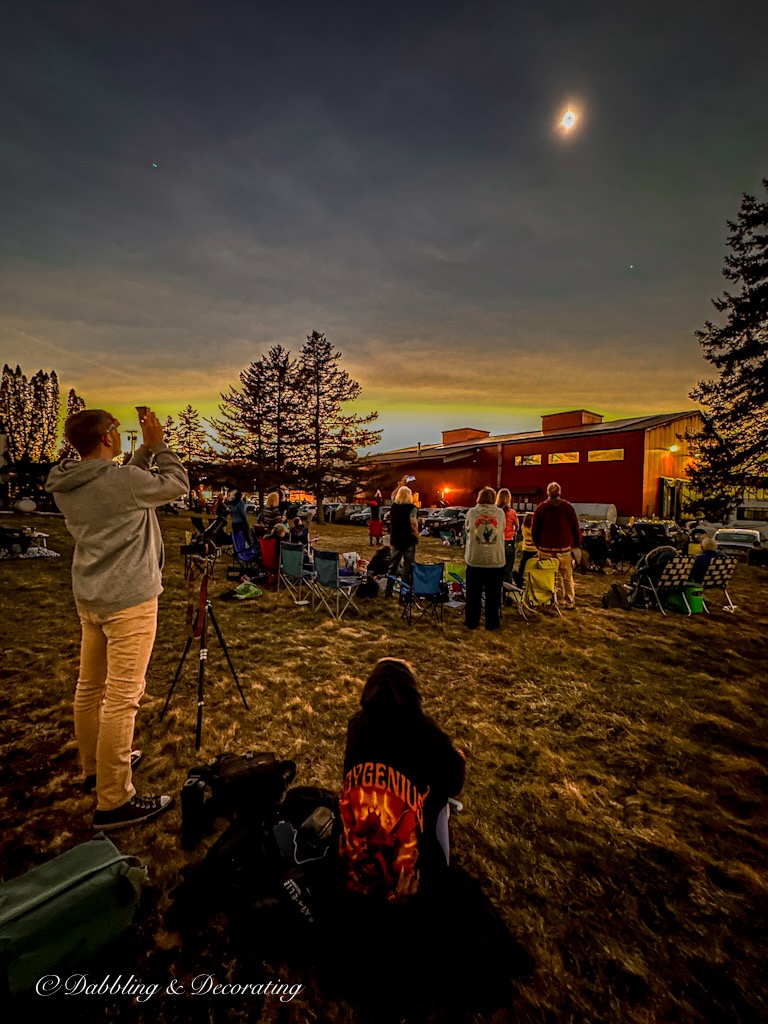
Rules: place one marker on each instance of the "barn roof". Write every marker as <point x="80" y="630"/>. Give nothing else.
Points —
<point x="432" y="451"/>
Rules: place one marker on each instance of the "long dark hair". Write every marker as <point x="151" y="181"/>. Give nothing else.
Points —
<point x="390" y="693"/>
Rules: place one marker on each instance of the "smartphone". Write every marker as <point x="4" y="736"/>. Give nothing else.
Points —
<point x="142" y="410"/>
<point x="410" y="479"/>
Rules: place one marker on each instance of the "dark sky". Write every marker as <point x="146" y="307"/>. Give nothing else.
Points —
<point x="390" y="174"/>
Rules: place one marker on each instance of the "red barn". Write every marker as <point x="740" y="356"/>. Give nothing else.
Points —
<point x="636" y="464"/>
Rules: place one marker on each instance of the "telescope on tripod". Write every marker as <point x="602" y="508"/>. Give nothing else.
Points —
<point x="199" y="563"/>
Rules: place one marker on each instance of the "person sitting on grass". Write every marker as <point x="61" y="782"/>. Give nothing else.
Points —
<point x="379" y="564"/>
<point x="400" y="769"/>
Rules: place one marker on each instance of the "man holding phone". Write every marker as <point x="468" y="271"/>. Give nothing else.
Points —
<point x="116" y="580"/>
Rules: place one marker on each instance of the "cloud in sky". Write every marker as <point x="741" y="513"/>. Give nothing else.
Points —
<point x="394" y="183"/>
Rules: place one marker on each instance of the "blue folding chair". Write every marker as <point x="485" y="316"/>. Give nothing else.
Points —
<point x="336" y="592"/>
<point x="244" y="555"/>
<point x="292" y="575"/>
<point x="426" y="595"/>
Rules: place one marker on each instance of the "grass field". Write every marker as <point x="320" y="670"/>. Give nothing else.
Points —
<point x="615" y="804"/>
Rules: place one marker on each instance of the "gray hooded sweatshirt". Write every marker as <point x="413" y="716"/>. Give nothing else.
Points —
<point x="110" y="512"/>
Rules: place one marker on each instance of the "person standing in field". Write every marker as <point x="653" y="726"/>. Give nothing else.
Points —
<point x="484" y="554"/>
<point x="556" y="531"/>
<point x="271" y="514"/>
<point x="504" y="502"/>
<point x="116" y="580"/>
<point x="403" y="535"/>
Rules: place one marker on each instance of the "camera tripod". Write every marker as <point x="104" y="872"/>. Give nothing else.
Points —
<point x="201" y="566"/>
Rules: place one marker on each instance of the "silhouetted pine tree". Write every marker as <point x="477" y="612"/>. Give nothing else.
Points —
<point x="259" y="421"/>
<point x="731" y="451"/>
<point x="170" y="435"/>
<point x="192" y="444"/>
<point x="74" y="404"/>
<point x="331" y="438"/>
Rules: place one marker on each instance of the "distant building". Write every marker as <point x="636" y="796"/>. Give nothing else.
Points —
<point x="637" y="464"/>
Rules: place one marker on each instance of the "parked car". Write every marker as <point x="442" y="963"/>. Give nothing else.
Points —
<point x="738" y="542"/>
<point x="447" y="520"/>
<point x="361" y="518"/>
<point x="654" y="533"/>
<point x="329" y="509"/>
<point x="345" y="510"/>
<point x="251" y="506"/>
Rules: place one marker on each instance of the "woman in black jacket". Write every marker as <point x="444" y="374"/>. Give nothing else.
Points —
<point x="403" y="535"/>
<point x="399" y="770"/>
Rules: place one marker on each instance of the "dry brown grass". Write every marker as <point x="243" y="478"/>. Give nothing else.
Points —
<point x="616" y="784"/>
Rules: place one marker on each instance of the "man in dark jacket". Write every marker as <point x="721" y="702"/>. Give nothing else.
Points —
<point x="556" y="532"/>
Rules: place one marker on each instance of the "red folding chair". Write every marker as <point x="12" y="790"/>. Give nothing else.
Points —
<point x="270" y="559"/>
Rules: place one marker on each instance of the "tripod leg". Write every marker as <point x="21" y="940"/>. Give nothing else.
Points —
<point x="226" y="653"/>
<point x="201" y="679"/>
<point x="176" y="677"/>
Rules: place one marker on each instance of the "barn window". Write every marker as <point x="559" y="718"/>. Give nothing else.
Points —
<point x="606" y="455"/>
<point x="527" y="460"/>
<point x="560" y="458"/>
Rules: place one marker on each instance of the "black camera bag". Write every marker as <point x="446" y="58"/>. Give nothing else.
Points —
<point x="281" y="865"/>
<point x="232" y="786"/>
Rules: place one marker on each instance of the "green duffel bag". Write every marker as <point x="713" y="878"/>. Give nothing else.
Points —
<point x="61" y="913"/>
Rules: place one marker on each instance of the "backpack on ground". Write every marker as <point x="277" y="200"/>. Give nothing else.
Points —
<point x="64" y="911"/>
<point x="278" y="866"/>
<point x="616" y="597"/>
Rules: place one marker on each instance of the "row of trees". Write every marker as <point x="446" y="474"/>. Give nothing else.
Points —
<point x="284" y="422"/>
<point x="730" y="452"/>
<point x="31" y="415"/>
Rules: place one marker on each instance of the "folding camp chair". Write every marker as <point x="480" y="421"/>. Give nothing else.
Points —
<point x="336" y="592"/>
<point x="456" y="577"/>
<point x="718" y="576"/>
<point x="270" y="558"/>
<point x="540" y="588"/>
<point x="513" y="593"/>
<point x="244" y="555"/>
<point x="672" y="580"/>
<point x="294" y="577"/>
<point x="427" y="593"/>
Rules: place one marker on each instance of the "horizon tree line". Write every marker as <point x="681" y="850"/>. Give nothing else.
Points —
<point x="283" y="423"/>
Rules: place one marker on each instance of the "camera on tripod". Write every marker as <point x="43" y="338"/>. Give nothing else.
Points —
<point x="200" y="547"/>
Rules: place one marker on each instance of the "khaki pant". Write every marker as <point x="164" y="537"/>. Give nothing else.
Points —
<point x="566" y="572"/>
<point x="114" y="654"/>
